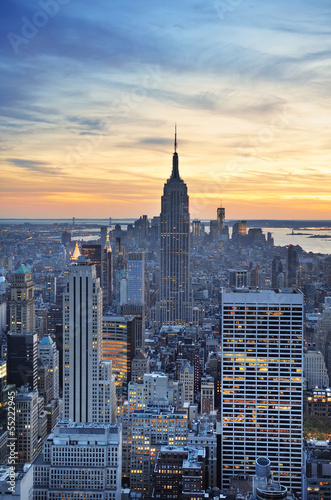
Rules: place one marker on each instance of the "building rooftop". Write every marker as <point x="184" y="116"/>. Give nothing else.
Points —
<point x="318" y="450"/>
<point x="120" y="319"/>
<point x="140" y="355"/>
<point x="68" y="424"/>
<point x="46" y="340"/>
<point x="263" y="291"/>
<point x="22" y="269"/>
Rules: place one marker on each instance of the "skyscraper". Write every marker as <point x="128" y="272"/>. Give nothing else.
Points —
<point x="239" y="230"/>
<point x="220" y="219"/>
<point x="101" y="256"/>
<point x="88" y="383"/>
<point x="136" y="278"/>
<point x="196" y="227"/>
<point x="214" y="230"/>
<point x="292" y="266"/>
<point x="50" y="288"/>
<point x="26" y="428"/>
<point x="107" y="272"/>
<point x="132" y="291"/>
<point x="261" y="404"/>
<point x="93" y="253"/>
<point x="22" y="354"/>
<point x="22" y="306"/>
<point x="277" y="276"/>
<point x="103" y="235"/>
<point x="175" y="290"/>
<point x="3" y="384"/>
<point x="48" y="352"/>
<point x="121" y="340"/>
<point x="120" y="268"/>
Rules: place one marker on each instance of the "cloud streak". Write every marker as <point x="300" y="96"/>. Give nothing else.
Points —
<point x="34" y="166"/>
<point x="249" y="91"/>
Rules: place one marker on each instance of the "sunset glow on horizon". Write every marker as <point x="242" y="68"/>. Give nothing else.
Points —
<point x="90" y="96"/>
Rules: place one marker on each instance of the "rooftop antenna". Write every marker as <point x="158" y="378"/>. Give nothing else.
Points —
<point x="175" y="137"/>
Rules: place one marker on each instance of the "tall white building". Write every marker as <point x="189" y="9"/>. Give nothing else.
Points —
<point x="315" y="371"/>
<point x="261" y="400"/>
<point x="88" y="383"/>
<point x="80" y="460"/>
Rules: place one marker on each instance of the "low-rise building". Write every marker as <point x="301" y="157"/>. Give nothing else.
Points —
<point x="316" y="476"/>
<point x="179" y="472"/>
<point x="152" y="428"/>
<point x="80" y="460"/>
<point x="16" y="484"/>
<point x="318" y="402"/>
<point x="203" y="435"/>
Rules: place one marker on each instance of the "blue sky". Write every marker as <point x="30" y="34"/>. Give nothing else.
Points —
<point x="90" y="93"/>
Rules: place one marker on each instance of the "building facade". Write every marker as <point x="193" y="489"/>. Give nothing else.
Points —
<point x="151" y="429"/>
<point x="175" y="288"/>
<point x="318" y="402"/>
<point x="314" y="370"/>
<point x="220" y="219"/>
<point x="186" y="377"/>
<point x="292" y="266"/>
<point x="50" y="288"/>
<point x="202" y="434"/>
<point x="22" y="354"/>
<point x="316" y="477"/>
<point x="88" y="383"/>
<point x="80" y="460"/>
<point x="207" y="395"/>
<point x="179" y="473"/>
<point x="48" y="352"/>
<point x="136" y="278"/>
<point x="261" y="404"/>
<point x="27" y="425"/>
<point x="22" y="305"/>
<point x="121" y="340"/>
<point x="139" y="366"/>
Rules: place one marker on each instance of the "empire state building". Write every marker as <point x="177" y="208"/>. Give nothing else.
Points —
<point x="175" y="288"/>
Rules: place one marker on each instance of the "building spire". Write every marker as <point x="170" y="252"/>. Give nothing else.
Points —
<point x="175" y="171"/>
<point x="175" y="137"/>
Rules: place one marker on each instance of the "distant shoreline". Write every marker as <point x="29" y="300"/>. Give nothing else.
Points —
<point x="265" y="223"/>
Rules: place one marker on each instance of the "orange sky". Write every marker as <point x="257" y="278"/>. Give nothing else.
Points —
<point x="88" y="121"/>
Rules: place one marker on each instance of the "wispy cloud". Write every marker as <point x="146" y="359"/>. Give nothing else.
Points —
<point x="34" y="166"/>
<point x="252" y="88"/>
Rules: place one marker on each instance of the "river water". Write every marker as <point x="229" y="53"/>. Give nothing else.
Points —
<point x="283" y="236"/>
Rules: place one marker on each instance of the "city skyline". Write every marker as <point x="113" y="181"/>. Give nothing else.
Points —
<point x="89" y="98"/>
